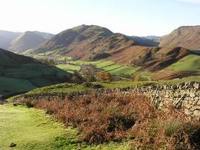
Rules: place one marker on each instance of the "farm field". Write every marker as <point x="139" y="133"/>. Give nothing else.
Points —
<point x="108" y="66"/>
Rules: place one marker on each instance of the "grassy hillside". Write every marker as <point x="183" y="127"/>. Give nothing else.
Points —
<point x="64" y="89"/>
<point x="28" y="128"/>
<point x="19" y="74"/>
<point x="89" y="42"/>
<point x="188" y="63"/>
<point x="31" y="129"/>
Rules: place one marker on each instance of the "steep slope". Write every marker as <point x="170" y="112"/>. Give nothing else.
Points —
<point x="152" y="59"/>
<point x="20" y="74"/>
<point x="28" y="40"/>
<point x="187" y="66"/>
<point x="186" y="36"/>
<point x="188" y="63"/>
<point x="86" y="42"/>
<point x="6" y="37"/>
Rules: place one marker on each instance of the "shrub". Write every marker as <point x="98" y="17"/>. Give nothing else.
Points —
<point x="113" y="115"/>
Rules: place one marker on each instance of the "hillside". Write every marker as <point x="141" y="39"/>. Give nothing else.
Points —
<point x="86" y="42"/>
<point x="28" y="40"/>
<point x="7" y="37"/>
<point x="90" y="42"/>
<point x="19" y="74"/>
<point x="186" y="36"/>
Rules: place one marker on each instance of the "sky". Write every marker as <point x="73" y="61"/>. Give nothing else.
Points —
<point x="131" y="17"/>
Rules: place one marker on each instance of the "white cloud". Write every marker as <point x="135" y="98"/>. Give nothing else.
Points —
<point x="190" y="1"/>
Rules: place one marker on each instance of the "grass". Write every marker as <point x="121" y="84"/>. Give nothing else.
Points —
<point x="188" y="63"/>
<point x="10" y="85"/>
<point x="20" y="74"/>
<point x="172" y="127"/>
<point x="68" y="88"/>
<point x="109" y="66"/>
<point x="102" y="117"/>
<point x="22" y="78"/>
<point x="28" y="128"/>
<point x="64" y="88"/>
<point x="31" y="129"/>
<point x="69" y="67"/>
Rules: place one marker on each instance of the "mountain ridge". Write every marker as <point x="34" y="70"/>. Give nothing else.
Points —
<point x="89" y="42"/>
<point x="184" y="36"/>
<point x="28" y="40"/>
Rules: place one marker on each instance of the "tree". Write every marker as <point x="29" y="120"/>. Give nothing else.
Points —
<point x="104" y="76"/>
<point x="88" y="72"/>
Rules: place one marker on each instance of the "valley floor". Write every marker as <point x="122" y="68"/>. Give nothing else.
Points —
<point x="31" y="129"/>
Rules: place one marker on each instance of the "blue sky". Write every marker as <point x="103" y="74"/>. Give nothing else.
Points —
<point x="132" y="17"/>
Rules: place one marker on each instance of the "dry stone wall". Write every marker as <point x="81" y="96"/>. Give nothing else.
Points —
<point x="184" y="96"/>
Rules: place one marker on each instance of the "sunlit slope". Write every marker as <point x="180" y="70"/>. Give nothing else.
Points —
<point x="188" y="63"/>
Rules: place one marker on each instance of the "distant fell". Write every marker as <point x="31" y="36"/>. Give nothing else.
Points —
<point x="28" y="40"/>
<point x="6" y="37"/>
<point x="185" y="36"/>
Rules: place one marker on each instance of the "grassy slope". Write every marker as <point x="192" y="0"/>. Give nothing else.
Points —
<point x="11" y="85"/>
<point x="188" y="63"/>
<point x="66" y="88"/>
<point x="20" y="74"/>
<point x="28" y="128"/>
<point x="26" y="77"/>
<point x="31" y="129"/>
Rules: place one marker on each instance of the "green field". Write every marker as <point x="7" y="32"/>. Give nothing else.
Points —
<point x="31" y="129"/>
<point x="64" y="88"/>
<point x="109" y="66"/>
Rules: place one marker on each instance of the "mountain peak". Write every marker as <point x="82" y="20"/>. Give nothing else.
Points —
<point x="86" y="41"/>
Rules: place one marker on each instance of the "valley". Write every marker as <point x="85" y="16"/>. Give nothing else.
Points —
<point x="90" y="88"/>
